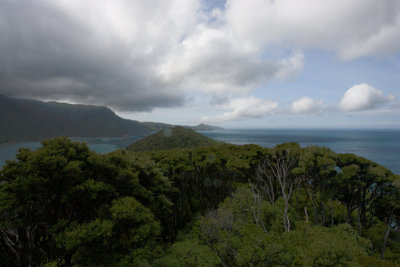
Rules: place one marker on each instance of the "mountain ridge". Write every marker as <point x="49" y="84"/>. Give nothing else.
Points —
<point x="23" y="120"/>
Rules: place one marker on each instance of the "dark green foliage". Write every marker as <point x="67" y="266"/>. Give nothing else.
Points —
<point x="171" y="138"/>
<point x="203" y="177"/>
<point x="65" y="203"/>
<point x="222" y="205"/>
<point x="188" y="253"/>
<point x="237" y="240"/>
<point x="157" y="126"/>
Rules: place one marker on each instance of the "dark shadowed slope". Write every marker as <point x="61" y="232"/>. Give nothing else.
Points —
<point x="176" y="137"/>
<point x="30" y="120"/>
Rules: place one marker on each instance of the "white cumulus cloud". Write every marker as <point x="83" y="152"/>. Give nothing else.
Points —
<point x="306" y="105"/>
<point x="212" y="61"/>
<point x="352" y="29"/>
<point x="362" y="97"/>
<point x="244" y="108"/>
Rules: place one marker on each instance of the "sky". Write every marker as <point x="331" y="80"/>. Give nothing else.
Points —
<point x="233" y="63"/>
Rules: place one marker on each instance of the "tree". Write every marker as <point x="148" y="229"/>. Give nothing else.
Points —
<point x="388" y="207"/>
<point x="56" y="199"/>
<point x="34" y="196"/>
<point x="278" y="167"/>
<point x="317" y="171"/>
<point x="360" y="186"/>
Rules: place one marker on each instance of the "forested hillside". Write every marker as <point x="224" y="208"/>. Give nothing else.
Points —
<point x="170" y="138"/>
<point x="225" y="205"/>
<point x="30" y="120"/>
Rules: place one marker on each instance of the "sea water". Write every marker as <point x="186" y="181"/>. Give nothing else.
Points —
<point x="381" y="146"/>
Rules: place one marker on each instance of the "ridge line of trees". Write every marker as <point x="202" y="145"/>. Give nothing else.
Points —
<point x="225" y="205"/>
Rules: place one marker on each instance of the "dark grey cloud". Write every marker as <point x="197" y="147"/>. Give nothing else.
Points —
<point x="48" y="53"/>
<point x="131" y="55"/>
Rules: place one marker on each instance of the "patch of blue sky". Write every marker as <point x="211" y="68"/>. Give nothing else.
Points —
<point x="325" y="76"/>
<point x="211" y="4"/>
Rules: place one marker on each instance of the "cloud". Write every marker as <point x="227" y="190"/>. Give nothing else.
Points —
<point x="131" y="55"/>
<point x="363" y="97"/>
<point x="244" y="108"/>
<point x="306" y="105"/>
<point x="92" y="52"/>
<point x="291" y="66"/>
<point x="212" y="62"/>
<point x="350" y="28"/>
<point x="135" y="55"/>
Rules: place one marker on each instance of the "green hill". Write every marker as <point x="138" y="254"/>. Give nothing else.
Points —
<point x="158" y="126"/>
<point x="204" y="127"/>
<point x="31" y="120"/>
<point x="176" y="137"/>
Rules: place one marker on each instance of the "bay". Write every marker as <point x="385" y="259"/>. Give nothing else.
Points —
<point x="381" y="146"/>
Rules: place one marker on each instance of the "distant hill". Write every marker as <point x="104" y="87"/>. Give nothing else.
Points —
<point x="204" y="127"/>
<point x="31" y="120"/>
<point x="176" y="137"/>
<point x="157" y="126"/>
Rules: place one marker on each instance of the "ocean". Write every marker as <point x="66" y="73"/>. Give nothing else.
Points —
<point x="381" y="146"/>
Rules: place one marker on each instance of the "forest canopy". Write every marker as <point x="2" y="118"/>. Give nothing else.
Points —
<point x="223" y="205"/>
<point x="171" y="138"/>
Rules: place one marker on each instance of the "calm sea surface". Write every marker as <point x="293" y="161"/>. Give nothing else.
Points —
<point x="381" y="146"/>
